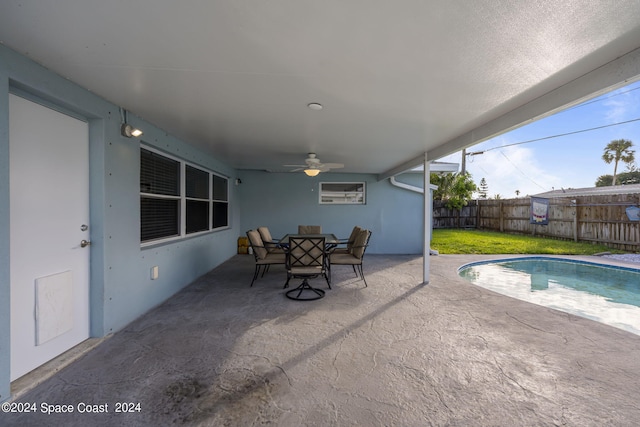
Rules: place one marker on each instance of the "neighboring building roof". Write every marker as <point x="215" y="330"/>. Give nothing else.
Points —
<point x="591" y="191"/>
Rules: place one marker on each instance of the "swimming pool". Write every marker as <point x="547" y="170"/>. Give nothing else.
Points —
<point x="607" y="294"/>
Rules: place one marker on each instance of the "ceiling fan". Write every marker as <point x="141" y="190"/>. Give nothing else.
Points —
<point x="313" y="166"/>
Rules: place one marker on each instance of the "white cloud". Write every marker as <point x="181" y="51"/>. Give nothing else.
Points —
<point x="616" y="110"/>
<point x="507" y="170"/>
<point x="620" y="105"/>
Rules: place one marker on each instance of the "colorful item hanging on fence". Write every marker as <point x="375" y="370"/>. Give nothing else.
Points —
<point x="539" y="211"/>
<point x="633" y="213"/>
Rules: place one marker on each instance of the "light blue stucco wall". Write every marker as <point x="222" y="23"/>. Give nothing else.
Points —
<point x="121" y="288"/>
<point x="281" y="201"/>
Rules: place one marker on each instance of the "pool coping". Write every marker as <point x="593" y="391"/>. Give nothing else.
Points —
<point x="580" y="259"/>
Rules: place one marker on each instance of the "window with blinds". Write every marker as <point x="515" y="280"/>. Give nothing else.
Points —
<point x="220" y="211"/>
<point x="198" y="199"/>
<point x="159" y="196"/>
<point x="177" y="199"/>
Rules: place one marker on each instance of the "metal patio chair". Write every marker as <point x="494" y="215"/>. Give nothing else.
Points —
<point x="355" y="257"/>
<point x="309" y="229"/>
<point x="306" y="259"/>
<point x="264" y="259"/>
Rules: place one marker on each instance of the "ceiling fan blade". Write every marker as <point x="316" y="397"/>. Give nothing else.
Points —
<point x="312" y="162"/>
<point x="333" y="165"/>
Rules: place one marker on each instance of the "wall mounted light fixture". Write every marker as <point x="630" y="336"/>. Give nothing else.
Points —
<point x="129" y="131"/>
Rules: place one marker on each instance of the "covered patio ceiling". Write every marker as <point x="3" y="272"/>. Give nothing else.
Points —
<point x="396" y="79"/>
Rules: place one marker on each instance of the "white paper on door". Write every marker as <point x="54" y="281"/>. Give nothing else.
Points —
<point x="54" y="306"/>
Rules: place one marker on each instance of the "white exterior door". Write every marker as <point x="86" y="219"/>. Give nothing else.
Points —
<point x="49" y="215"/>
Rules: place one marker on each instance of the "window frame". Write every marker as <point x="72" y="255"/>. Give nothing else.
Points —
<point x="183" y="199"/>
<point x="322" y="192"/>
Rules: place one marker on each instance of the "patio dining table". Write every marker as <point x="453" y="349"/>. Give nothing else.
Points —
<point x="329" y="239"/>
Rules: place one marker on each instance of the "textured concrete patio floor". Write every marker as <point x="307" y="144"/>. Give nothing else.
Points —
<point x="397" y="353"/>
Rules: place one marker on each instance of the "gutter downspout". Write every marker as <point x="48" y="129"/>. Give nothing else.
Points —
<point x="410" y="187"/>
<point x="407" y="186"/>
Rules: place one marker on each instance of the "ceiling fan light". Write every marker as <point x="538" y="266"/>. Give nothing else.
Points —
<point x="312" y="172"/>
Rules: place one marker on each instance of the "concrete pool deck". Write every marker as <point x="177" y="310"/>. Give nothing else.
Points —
<point x="398" y="352"/>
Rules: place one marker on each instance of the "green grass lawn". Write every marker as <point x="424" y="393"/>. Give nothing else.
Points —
<point x="448" y="241"/>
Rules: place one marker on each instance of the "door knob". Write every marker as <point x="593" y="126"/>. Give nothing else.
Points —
<point x="84" y="243"/>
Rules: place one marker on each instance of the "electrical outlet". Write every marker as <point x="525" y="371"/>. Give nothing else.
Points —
<point x="154" y="272"/>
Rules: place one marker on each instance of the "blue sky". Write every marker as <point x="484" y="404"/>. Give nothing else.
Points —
<point x="573" y="161"/>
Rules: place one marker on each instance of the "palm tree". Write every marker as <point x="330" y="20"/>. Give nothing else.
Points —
<point x="617" y="150"/>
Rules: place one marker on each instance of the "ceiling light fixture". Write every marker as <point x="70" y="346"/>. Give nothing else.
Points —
<point x="312" y="172"/>
<point x="129" y="131"/>
<point x="315" y="106"/>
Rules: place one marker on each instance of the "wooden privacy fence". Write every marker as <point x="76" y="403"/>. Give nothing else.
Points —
<point x="599" y="219"/>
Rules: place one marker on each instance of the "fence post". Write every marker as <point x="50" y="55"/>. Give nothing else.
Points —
<point x="501" y="217"/>
<point x="575" y="220"/>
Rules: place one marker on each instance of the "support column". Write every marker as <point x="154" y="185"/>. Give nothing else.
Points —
<point x="427" y="220"/>
<point x="5" y="231"/>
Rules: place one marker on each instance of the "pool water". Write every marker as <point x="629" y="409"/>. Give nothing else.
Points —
<point x="599" y="292"/>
